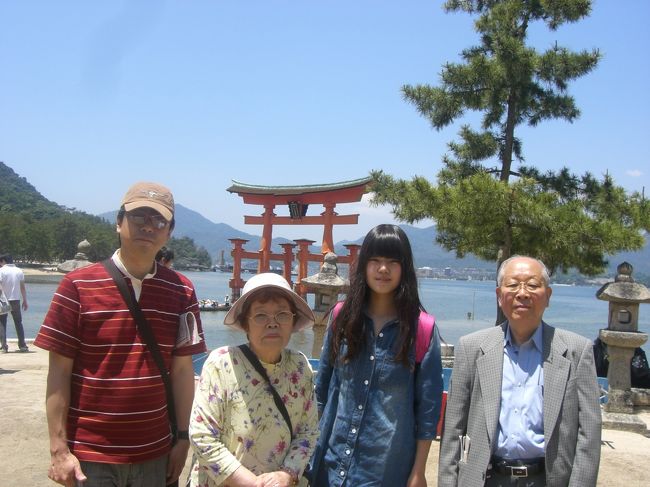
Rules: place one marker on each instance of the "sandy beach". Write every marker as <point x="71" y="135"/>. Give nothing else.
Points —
<point x="24" y="445"/>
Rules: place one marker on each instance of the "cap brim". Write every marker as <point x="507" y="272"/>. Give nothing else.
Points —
<point x="305" y="316"/>
<point x="163" y="210"/>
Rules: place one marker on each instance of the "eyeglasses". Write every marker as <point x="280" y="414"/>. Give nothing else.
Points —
<point x="530" y="286"/>
<point x="157" y="221"/>
<point x="281" y="318"/>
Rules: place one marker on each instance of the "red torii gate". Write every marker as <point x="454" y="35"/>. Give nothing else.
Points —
<point x="298" y="199"/>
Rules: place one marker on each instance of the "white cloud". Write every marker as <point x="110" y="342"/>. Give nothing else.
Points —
<point x="635" y="173"/>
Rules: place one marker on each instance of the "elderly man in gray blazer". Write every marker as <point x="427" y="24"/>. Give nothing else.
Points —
<point x="523" y="406"/>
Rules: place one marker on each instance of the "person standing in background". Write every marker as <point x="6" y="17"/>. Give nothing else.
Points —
<point x="12" y="281"/>
<point x="165" y="257"/>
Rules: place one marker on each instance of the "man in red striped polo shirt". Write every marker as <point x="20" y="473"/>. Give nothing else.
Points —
<point x="106" y="404"/>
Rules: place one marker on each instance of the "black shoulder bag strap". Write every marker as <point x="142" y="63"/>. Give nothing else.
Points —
<point x="279" y="403"/>
<point x="147" y="336"/>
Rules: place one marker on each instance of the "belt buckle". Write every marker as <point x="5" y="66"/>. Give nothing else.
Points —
<point x="519" y="471"/>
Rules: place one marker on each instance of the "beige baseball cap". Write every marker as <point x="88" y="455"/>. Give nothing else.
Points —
<point x="150" y="195"/>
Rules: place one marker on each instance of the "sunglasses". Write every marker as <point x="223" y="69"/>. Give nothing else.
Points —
<point x="157" y="221"/>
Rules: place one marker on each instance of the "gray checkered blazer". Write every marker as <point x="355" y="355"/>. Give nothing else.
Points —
<point x="572" y="416"/>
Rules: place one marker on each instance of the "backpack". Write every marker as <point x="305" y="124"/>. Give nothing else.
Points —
<point x="426" y="323"/>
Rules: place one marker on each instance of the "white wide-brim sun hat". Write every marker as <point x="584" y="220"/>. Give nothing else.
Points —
<point x="304" y="318"/>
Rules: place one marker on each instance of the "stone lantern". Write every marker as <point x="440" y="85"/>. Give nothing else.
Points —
<point x="326" y="286"/>
<point x="622" y="336"/>
<point x="80" y="258"/>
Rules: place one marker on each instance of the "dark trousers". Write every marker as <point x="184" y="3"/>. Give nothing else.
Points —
<point x="18" y="323"/>
<point x="151" y="473"/>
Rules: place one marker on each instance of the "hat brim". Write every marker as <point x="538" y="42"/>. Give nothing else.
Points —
<point x="304" y="319"/>
<point x="163" y="210"/>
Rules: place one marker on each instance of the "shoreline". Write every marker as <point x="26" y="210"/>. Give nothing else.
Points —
<point x="25" y="447"/>
<point x="41" y="276"/>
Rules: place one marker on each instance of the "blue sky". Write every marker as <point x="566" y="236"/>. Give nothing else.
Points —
<point x="97" y="95"/>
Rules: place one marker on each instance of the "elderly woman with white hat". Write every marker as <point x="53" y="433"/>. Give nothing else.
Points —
<point x="254" y="420"/>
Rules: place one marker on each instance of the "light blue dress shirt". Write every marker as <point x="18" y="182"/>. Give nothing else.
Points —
<point x="521" y="420"/>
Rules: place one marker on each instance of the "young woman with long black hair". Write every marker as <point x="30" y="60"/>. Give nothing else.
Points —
<point x="379" y="403"/>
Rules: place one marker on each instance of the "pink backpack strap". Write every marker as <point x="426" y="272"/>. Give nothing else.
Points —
<point x="426" y="322"/>
<point x="336" y="310"/>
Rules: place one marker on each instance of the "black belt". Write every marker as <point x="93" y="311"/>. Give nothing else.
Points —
<point x="518" y="468"/>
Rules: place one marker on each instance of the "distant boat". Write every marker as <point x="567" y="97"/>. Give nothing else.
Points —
<point x="213" y="305"/>
<point x="222" y="267"/>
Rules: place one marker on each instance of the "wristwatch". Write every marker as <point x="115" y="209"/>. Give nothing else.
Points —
<point x="182" y="435"/>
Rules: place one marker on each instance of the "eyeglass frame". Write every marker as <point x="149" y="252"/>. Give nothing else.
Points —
<point x="157" y="221"/>
<point x="274" y="317"/>
<point x="515" y="286"/>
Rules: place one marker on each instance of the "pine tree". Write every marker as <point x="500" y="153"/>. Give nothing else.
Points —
<point x="483" y="206"/>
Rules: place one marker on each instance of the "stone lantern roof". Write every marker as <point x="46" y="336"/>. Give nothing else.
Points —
<point x="624" y="289"/>
<point x="80" y="258"/>
<point x="327" y="278"/>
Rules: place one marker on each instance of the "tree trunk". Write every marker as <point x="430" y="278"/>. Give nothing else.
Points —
<point x="505" y="252"/>
<point x="509" y="136"/>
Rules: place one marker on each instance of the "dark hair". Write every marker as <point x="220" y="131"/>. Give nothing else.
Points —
<point x="264" y="295"/>
<point x="164" y="255"/>
<point x="391" y="242"/>
<point x="7" y="258"/>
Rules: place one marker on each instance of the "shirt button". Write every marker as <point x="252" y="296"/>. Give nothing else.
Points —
<point x="365" y="382"/>
<point x="342" y="473"/>
<point x="360" y="407"/>
<point x="372" y="357"/>
<point x="381" y="335"/>
<point x="354" y="431"/>
<point x="347" y="452"/>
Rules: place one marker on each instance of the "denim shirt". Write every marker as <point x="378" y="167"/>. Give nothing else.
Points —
<point x="373" y="410"/>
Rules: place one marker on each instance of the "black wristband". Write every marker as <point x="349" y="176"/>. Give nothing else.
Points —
<point x="182" y="435"/>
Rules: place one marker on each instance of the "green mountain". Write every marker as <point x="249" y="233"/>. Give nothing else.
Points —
<point x="32" y="228"/>
<point x="214" y="237"/>
<point x="18" y="196"/>
<point x="35" y="229"/>
<point x="427" y="253"/>
<point x="209" y="235"/>
<point x="31" y="224"/>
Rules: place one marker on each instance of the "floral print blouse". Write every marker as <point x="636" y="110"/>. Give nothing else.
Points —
<point x="235" y="422"/>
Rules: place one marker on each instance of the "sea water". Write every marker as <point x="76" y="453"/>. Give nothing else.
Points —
<point x="460" y="307"/>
